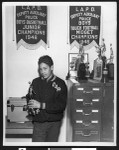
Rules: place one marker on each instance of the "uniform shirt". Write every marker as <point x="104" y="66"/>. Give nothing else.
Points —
<point x="52" y="92"/>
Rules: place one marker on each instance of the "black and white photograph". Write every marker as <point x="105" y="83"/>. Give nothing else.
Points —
<point x="59" y="74"/>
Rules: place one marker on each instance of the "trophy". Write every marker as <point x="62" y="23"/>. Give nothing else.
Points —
<point x="29" y="96"/>
<point x="111" y="54"/>
<point x="100" y="63"/>
<point x="81" y="67"/>
<point x="110" y="65"/>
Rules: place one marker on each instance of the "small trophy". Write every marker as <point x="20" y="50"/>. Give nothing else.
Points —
<point x="81" y="67"/>
<point x="111" y="54"/>
<point x="103" y="48"/>
<point x="110" y="65"/>
<point x="100" y="63"/>
<point x="29" y="96"/>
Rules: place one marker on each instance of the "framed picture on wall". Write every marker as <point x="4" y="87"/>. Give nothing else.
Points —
<point x="72" y="57"/>
<point x="72" y="60"/>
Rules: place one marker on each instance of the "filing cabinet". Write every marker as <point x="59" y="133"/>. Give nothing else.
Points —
<point x="86" y="111"/>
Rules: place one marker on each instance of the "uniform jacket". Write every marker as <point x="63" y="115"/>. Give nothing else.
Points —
<point x="52" y="92"/>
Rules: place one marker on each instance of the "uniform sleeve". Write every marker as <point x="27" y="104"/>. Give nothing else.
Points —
<point x="59" y="103"/>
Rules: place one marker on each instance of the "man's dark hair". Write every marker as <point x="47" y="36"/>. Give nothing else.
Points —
<point x="45" y="59"/>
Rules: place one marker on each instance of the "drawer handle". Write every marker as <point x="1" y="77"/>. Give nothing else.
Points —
<point x="92" y="132"/>
<point x="88" y="92"/>
<point x="84" y="103"/>
<point x="86" y="124"/>
<point x="87" y="134"/>
<point x="87" y="114"/>
<point x="95" y="132"/>
<point x="81" y="121"/>
<point x="81" y="111"/>
<point x="92" y="111"/>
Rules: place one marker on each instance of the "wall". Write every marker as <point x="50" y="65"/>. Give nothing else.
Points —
<point x="20" y="66"/>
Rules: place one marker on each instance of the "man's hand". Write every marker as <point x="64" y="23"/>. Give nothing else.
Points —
<point x="34" y="104"/>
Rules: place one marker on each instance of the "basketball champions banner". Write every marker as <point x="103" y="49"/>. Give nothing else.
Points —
<point x="85" y="26"/>
<point x="31" y="26"/>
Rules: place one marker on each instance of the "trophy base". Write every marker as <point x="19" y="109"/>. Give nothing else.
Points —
<point x="110" y="68"/>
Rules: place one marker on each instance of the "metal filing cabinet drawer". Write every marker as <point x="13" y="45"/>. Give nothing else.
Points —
<point x="86" y="92"/>
<point x="90" y="124"/>
<point x="86" y="135"/>
<point x="86" y="102"/>
<point x="86" y="114"/>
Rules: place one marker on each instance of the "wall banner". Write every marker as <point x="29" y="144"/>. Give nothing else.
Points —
<point x="85" y="26"/>
<point x="31" y="26"/>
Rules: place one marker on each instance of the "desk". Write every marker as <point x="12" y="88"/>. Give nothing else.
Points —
<point x="19" y="130"/>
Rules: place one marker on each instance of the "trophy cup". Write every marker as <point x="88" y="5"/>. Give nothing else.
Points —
<point x="29" y="96"/>
<point x="100" y="67"/>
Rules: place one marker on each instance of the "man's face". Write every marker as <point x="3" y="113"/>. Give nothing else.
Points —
<point x="45" y="70"/>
